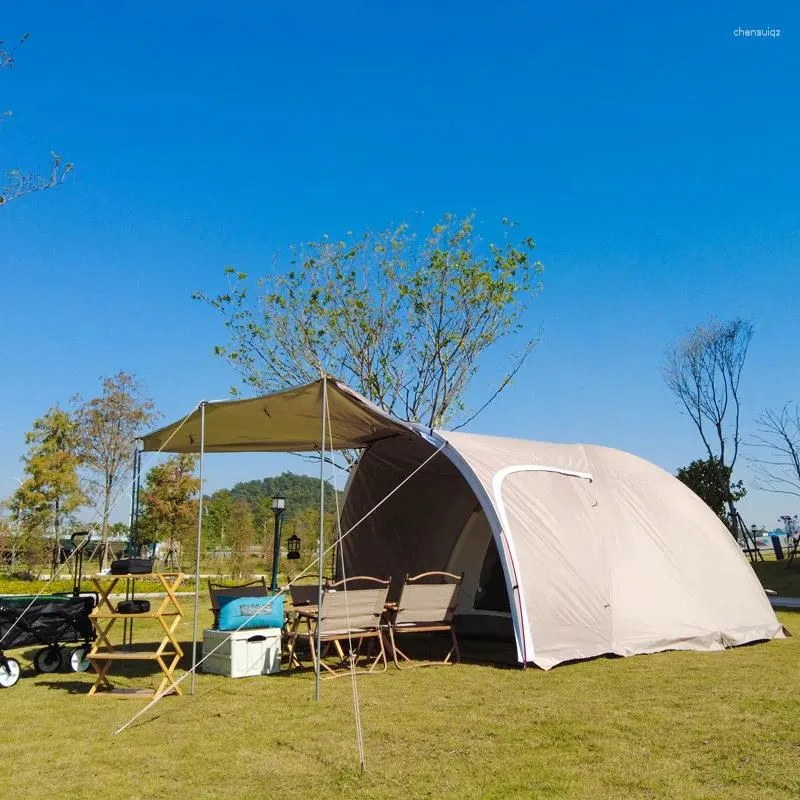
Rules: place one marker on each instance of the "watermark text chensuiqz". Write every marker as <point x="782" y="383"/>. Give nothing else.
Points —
<point x="760" y="33"/>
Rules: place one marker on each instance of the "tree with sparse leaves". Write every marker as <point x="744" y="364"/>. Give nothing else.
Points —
<point x="403" y="321"/>
<point x="702" y="477"/>
<point x="18" y="183"/>
<point x="703" y="371"/>
<point x="51" y="492"/>
<point x="169" y="505"/>
<point x="108" y="426"/>
<point x="776" y="465"/>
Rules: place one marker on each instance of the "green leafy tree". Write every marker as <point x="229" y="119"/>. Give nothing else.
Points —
<point x="405" y="322"/>
<point x="119" y="530"/>
<point x="241" y="538"/>
<point x="18" y="183"/>
<point x="107" y="427"/>
<point x="217" y="520"/>
<point x="8" y="544"/>
<point x="51" y="491"/>
<point x="702" y="477"/>
<point x="169" y="504"/>
<point x="704" y="371"/>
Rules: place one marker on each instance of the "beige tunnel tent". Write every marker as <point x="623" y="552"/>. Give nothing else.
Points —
<point x="573" y="550"/>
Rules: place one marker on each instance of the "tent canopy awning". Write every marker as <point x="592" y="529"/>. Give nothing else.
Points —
<point x="286" y="421"/>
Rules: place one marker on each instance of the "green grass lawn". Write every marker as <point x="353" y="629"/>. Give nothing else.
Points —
<point x="774" y="575"/>
<point x="671" y="725"/>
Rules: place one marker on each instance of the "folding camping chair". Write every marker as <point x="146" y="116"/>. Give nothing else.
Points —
<point x="307" y="593"/>
<point x="345" y="614"/>
<point x="426" y="607"/>
<point x="256" y="588"/>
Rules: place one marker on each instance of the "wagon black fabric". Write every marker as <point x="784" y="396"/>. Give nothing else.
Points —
<point x="51" y="619"/>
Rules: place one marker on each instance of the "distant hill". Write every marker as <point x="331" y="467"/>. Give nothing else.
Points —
<point x="301" y="493"/>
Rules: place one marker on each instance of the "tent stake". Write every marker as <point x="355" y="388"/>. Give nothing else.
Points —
<point x="197" y="550"/>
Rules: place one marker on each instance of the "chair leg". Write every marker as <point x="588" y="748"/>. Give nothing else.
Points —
<point x="453" y="651"/>
<point x="381" y="654"/>
<point x="290" y="647"/>
<point x="393" y="645"/>
<point x="294" y="635"/>
<point x="370" y="667"/>
<point x="455" y="645"/>
<point x="397" y="651"/>
<point x="314" y="657"/>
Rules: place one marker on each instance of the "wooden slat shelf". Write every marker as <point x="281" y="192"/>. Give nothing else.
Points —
<point x="166" y="653"/>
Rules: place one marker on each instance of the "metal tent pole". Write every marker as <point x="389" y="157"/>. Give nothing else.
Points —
<point x="197" y="550"/>
<point x="321" y="549"/>
<point x="128" y="623"/>
<point x="134" y="489"/>
<point x="138" y="489"/>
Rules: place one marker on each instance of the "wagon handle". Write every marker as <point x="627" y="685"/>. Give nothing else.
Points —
<point x="79" y="548"/>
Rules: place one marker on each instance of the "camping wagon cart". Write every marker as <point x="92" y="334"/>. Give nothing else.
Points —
<point x="50" y="620"/>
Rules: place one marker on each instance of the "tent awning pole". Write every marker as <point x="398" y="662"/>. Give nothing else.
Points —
<point x="196" y="620"/>
<point x="321" y="549"/>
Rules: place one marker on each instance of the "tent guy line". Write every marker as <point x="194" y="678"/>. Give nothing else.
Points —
<point x="362" y="758"/>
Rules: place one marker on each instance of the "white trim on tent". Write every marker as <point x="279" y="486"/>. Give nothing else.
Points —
<point x="507" y="556"/>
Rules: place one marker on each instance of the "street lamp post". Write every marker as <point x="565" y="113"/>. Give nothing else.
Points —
<point x="278" y="507"/>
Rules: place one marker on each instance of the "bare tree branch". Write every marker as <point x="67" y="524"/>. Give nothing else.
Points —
<point x="703" y="371"/>
<point x="17" y="183"/>
<point x="778" y="470"/>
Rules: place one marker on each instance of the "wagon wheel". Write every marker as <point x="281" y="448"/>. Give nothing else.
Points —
<point x="9" y="672"/>
<point x="77" y="659"/>
<point x="48" y="660"/>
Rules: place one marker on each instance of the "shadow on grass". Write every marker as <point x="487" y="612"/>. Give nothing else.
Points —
<point x="70" y="687"/>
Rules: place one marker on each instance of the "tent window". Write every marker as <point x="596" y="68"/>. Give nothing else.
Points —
<point x="492" y="594"/>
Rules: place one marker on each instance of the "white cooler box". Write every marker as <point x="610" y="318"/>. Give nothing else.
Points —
<point x="247" y="652"/>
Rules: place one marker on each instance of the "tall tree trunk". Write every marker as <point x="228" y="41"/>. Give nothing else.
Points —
<point x="57" y="533"/>
<point x="104" y="529"/>
<point x="734" y="526"/>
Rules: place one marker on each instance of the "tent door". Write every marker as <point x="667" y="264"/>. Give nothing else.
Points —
<point x="554" y="523"/>
<point x="492" y="594"/>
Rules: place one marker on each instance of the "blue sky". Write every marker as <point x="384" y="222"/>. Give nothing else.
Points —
<point x="650" y="152"/>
